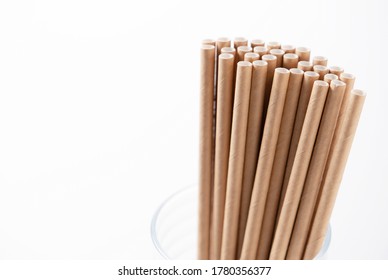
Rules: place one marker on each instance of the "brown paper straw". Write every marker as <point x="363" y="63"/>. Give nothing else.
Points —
<point x="271" y="60"/>
<point x="321" y="70"/>
<point x="239" y="41"/>
<point x="254" y="132"/>
<point x="336" y="70"/>
<point x="224" y="123"/>
<point x="320" y="60"/>
<point x="206" y="143"/>
<point x="273" y="45"/>
<point x="236" y="160"/>
<point x="305" y="65"/>
<point x="330" y="77"/>
<point x="250" y="57"/>
<point x="260" y="50"/>
<point x="208" y="42"/>
<point x="279" y="56"/>
<point x="257" y="43"/>
<point x="222" y="42"/>
<point x="349" y="80"/>
<point x="303" y="53"/>
<point x="234" y="53"/>
<point x="264" y="164"/>
<point x="299" y="170"/>
<point x="241" y="51"/>
<point x="335" y="171"/>
<point x="315" y="171"/>
<point x="307" y="85"/>
<point x="290" y="60"/>
<point x="279" y="165"/>
<point x="288" y="48"/>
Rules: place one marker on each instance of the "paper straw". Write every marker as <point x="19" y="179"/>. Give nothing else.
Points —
<point x="236" y="160"/>
<point x="224" y="123"/>
<point x="207" y="59"/>
<point x="315" y="171"/>
<point x="254" y="132"/>
<point x="335" y="171"/>
<point x="222" y="42"/>
<point x="241" y="51"/>
<point x="303" y="53"/>
<point x="279" y="165"/>
<point x="288" y="48"/>
<point x="349" y="80"/>
<point x="239" y="41"/>
<point x="305" y="65"/>
<point x="330" y="77"/>
<point x="321" y="70"/>
<point x="257" y="43"/>
<point x="299" y="170"/>
<point x="250" y="57"/>
<point x="273" y="45"/>
<point x="264" y="164"/>
<point x="271" y="60"/>
<point x="336" y="70"/>
<point x="290" y="60"/>
<point x="234" y="53"/>
<point x="305" y="92"/>
<point x="279" y="56"/>
<point x="320" y="60"/>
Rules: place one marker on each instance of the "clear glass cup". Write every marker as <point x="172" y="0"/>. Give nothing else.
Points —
<point x="174" y="227"/>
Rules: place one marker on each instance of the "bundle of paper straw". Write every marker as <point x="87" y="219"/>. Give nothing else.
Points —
<point x="276" y="128"/>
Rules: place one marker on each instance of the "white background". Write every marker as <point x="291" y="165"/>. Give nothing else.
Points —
<point x="99" y="116"/>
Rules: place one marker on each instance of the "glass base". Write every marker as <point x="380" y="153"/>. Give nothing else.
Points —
<point x="174" y="227"/>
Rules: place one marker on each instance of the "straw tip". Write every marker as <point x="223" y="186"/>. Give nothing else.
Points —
<point x="223" y="39"/>
<point x="240" y="39"/>
<point x="228" y="49"/>
<point x="252" y="55"/>
<point x="311" y="74"/>
<point x="277" y="51"/>
<point x="291" y="56"/>
<point x="273" y="43"/>
<point x="320" y="68"/>
<point x="296" y="71"/>
<point x="259" y="63"/>
<point x="257" y="41"/>
<point x="347" y="76"/>
<point x="336" y="68"/>
<point x="207" y="47"/>
<point x="244" y="64"/>
<point x="302" y="49"/>
<point x="358" y="92"/>
<point x="337" y="83"/>
<point x="331" y="76"/>
<point x="320" y="58"/>
<point x="226" y="56"/>
<point x="320" y="83"/>
<point x="244" y="48"/>
<point x="268" y="57"/>
<point x="260" y="49"/>
<point x="288" y="47"/>
<point x="208" y="41"/>
<point x="305" y="63"/>
<point x="281" y="70"/>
